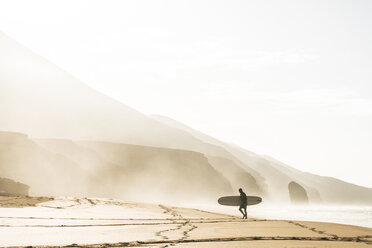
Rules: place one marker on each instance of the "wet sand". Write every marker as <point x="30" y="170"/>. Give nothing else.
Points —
<point x="88" y="222"/>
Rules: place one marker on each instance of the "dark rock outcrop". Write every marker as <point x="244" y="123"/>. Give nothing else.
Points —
<point x="10" y="187"/>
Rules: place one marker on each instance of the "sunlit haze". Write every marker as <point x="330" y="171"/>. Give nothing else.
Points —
<point x="288" y="79"/>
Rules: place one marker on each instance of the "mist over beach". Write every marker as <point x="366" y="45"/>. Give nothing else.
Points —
<point x="159" y="123"/>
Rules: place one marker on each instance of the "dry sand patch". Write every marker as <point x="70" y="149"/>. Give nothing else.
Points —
<point x="21" y="201"/>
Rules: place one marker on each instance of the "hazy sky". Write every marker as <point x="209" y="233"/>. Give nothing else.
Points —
<point x="290" y="79"/>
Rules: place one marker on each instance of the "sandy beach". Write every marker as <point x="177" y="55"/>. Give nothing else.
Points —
<point x="91" y="222"/>
<point x="21" y="201"/>
<point x="153" y="124"/>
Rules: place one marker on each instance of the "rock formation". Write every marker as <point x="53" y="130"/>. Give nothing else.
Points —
<point x="297" y="193"/>
<point x="10" y="187"/>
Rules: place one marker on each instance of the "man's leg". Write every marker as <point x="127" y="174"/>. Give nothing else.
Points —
<point x="245" y="212"/>
<point x="241" y="211"/>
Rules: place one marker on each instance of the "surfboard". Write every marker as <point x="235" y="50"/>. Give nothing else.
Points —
<point x="236" y="201"/>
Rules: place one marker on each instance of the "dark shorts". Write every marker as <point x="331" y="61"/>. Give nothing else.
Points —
<point x="243" y="205"/>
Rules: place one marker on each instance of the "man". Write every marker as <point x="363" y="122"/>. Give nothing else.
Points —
<point x="243" y="205"/>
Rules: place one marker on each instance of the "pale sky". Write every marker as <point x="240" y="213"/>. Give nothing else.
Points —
<point x="289" y="79"/>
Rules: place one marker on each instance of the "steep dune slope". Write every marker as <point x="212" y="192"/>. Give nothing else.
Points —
<point x="278" y="175"/>
<point x="143" y="173"/>
<point x="43" y="101"/>
<point x="174" y="173"/>
<point x="46" y="173"/>
<point x="238" y="177"/>
<point x="330" y="189"/>
<point x="276" y="181"/>
<point x="242" y="162"/>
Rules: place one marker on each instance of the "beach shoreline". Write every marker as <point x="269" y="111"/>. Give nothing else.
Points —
<point x="94" y="222"/>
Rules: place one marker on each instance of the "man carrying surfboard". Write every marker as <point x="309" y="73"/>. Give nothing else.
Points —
<point x="243" y="205"/>
<point x="241" y="200"/>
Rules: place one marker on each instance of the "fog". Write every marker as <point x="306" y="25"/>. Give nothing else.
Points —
<point x="61" y="137"/>
<point x="99" y="169"/>
<point x="56" y="167"/>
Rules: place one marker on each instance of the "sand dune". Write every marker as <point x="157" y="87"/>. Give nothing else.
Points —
<point x="101" y="169"/>
<point x="278" y="175"/>
<point x="43" y="101"/>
